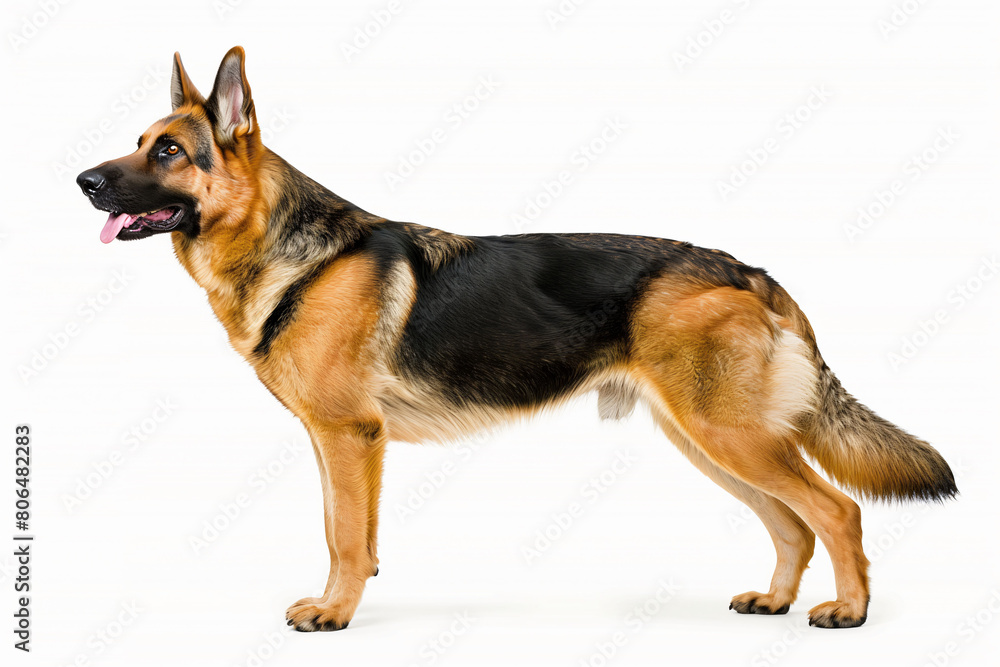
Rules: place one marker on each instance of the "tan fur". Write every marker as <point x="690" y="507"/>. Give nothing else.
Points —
<point x="716" y="365"/>
<point x="321" y="368"/>
<point x="793" y="540"/>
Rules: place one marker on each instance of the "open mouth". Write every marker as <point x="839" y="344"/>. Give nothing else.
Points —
<point x="126" y="226"/>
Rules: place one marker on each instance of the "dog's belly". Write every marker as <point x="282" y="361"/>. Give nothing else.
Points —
<point x="415" y="412"/>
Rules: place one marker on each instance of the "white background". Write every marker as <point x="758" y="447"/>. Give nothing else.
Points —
<point x="70" y="85"/>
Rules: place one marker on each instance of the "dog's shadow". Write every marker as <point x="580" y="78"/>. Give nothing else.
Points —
<point x="606" y="609"/>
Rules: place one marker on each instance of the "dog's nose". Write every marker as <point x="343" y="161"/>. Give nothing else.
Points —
<point x="90" y="182"/>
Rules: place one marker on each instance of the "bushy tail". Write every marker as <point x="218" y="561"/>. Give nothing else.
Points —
<point x="869" y="455"/>
<point x="863" y="452"/>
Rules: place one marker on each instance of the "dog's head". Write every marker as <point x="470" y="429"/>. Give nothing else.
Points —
<point x="192" y="170"/>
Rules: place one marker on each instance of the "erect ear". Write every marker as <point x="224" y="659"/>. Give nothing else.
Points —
<point x="182" y="90"/>
<point x="230" y="103"/>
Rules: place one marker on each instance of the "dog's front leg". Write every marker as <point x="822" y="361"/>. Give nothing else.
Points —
<point x="350" y="455"/>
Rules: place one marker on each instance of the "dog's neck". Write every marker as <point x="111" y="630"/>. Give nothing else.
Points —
<point x="289" y="223"/>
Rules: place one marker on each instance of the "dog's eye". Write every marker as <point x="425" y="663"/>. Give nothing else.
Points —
<point x="169" y="150"/>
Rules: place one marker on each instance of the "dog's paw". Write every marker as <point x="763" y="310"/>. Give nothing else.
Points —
<point x="317" y="615"/>
<point x="838" y="615"/>
<point x="758" y="603"/>
<point x="302" y="603"/>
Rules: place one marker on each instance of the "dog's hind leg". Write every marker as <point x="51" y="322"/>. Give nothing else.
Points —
<point x="794" y="541"/>
<point x="734" y="378"/>
<point x="776" y="468"/>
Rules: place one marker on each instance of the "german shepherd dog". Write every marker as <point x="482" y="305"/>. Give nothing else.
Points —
<point x="370" y="330"/>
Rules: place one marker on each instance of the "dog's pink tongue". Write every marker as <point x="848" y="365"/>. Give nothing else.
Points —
<point x="113" y="226"/>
